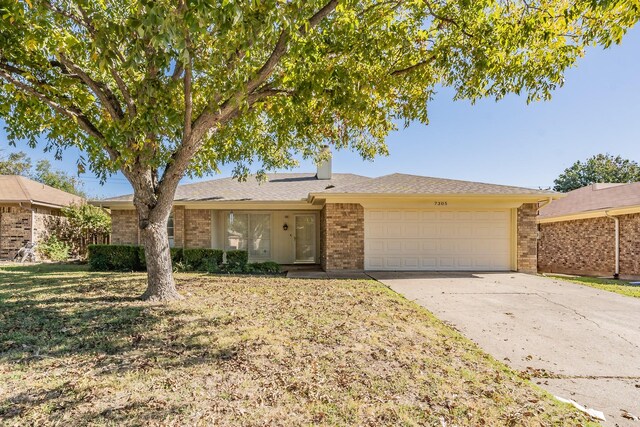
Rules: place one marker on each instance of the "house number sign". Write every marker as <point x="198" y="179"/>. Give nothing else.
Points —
<point x="440" y="203"/>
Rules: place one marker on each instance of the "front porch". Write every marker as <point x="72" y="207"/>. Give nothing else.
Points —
<point x="288" y="237"/>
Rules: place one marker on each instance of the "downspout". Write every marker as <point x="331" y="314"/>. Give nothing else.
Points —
<point x="544" y="203"/>
<point x="616" y="221"/>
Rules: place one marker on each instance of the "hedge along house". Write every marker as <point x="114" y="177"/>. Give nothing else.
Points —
<point x="352" y="222"/>
<point x="25" y="208"/>
<point x="593" y="231"/>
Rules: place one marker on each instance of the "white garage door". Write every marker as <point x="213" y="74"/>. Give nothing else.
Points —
<point x="417" y="239"/>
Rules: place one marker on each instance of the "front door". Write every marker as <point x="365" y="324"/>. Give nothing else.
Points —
<point x="305" y="238"/>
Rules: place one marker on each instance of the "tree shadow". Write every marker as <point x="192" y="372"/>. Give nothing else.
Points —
<point x="97" y="322"/>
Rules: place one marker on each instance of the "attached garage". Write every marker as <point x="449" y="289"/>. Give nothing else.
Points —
<point x="439" y="240"/>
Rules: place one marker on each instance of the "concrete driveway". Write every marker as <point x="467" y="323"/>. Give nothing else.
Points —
<point x="578" y="342"/>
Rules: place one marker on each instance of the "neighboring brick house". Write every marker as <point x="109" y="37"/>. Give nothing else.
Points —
<point x="25" y="209"/>
<point x="593" y="231"/>
<point x="351" y="222"/>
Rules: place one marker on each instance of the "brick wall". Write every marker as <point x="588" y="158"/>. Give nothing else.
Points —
<point x="587" y="246"/>
<point x="16" y="224"/>
<point x="178" y="226"/>
<point x="527" y="238"/>
<point x="342" y="236"/>
<point x="124" y="227"/>
<point x="197" y="228"/>
<point x="630" y="245"/>
<point x="15" y="230"/>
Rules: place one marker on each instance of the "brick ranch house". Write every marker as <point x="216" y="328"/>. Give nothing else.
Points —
<point x="351" y="222"/>
<point x="593" y="231"/>
<point x="25" y="207"/>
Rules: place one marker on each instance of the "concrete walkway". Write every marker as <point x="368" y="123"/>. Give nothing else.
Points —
<point x="578" y="342"/>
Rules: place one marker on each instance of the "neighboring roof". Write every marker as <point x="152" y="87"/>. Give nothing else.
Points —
<point x="595" y="197"/>
<point x="18" y="189"/>
<point x="278" y="187"/>
<point x="399" y="183"/>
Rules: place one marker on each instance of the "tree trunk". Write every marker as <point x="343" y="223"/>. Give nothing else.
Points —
<point x="160" y="283"/>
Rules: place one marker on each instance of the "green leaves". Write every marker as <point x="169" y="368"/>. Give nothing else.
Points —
<point x="601" y="168"/>
<point x="347" y="77"/>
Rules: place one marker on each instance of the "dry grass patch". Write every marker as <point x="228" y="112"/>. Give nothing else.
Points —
<point x="77" y="348"/>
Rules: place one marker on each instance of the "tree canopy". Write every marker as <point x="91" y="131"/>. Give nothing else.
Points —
<point x="15" y="164"/>
<point x="162" y="88"/>
<point x="601" y="168"/>
<point x="229" y="82"/>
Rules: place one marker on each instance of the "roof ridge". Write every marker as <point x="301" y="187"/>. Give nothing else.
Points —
<point x="27" y="193"/>
<point x="461" y="180"/>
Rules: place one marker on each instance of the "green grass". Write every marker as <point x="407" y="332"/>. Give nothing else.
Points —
<point x="78" y="348"/>
<point x="618" y="286"/>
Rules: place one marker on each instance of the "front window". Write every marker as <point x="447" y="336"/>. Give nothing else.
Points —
<point x="170" y="230"/>
<point x="249" y="232"/>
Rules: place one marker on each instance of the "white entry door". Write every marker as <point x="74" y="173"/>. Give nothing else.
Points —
<point x="422" y="239"/>
<point x="305" y="238"/>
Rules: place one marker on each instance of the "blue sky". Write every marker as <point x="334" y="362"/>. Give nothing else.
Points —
<point x="505" y="142"/>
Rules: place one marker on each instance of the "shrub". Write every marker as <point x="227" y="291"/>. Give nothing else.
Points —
<point x="268" y="267"/>
<point x="202" y="259"/>
<point x="79" y="226"/>
<point x="115" y="258"/>
<point x="237" y="261"/>
<point x="54" y="249"/>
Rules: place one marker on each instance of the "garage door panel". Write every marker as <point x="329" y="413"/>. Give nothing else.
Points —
<point x="437" y="240"/>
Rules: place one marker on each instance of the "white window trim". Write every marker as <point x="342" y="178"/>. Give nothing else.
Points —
<point x="225" y="237"/>
<point x="172" y="235"/>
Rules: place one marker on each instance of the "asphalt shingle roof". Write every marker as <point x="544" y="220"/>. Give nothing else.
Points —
<point x="278" y="187"/>
<point x="593" y="198"/>
<point x="398" y="183"/>
<point x="18" y="189"/>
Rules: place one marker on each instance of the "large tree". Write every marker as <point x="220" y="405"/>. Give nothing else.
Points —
<point x="599" y="168"/>
<point x="56" y="178"/>
<point x="15" y="164"/>
<point x="162" y="88"/>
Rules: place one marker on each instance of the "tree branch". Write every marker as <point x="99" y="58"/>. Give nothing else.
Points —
<point x="128" y="99"/>
<point x="72" y="112"/>
<point x="188" y="102"/>
<point x="413" y="67"/>
<point x="214" y="115"/>
<point x="101" y="90"/>
<point x="448" y="20"/>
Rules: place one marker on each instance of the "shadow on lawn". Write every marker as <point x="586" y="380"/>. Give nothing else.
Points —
<point x="57" y="312"/>
<point x="61" y="316"/>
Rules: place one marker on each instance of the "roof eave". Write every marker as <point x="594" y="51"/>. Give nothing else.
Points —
<point x="596" y="213"/>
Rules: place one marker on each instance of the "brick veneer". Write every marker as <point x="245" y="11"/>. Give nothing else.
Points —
<point x="587" y="246"/>
<point x="124" y="227"/>
<point x="630" y="245"/>
<point x="197" y="228"/>
<point x="192" y="227"/>
<point x="342" y="236"/>
<point x="16" y="225"/>
<point x="178" y="226"/>
<point x="527" y="238"/>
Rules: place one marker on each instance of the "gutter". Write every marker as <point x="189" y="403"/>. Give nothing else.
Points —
<point x="544" y="203"/>
<point x="616" y="220"/>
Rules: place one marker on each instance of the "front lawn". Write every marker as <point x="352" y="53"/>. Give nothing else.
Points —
<point x="77" y="348"/>
<point x="618" y="286"/>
